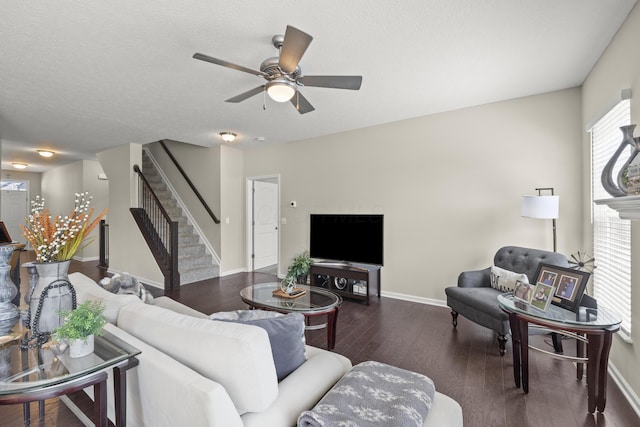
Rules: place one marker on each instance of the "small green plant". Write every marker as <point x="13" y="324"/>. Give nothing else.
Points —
<point x="299" y="267"/>
<point x="85" y="320"/>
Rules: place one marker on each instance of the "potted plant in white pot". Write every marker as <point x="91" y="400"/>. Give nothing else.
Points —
<point x="80" y="326"/>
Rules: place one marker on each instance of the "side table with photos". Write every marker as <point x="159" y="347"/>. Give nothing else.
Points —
<point x="553" y="303"/>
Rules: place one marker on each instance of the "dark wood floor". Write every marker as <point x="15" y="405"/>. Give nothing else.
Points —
<point x="464" y="362"/>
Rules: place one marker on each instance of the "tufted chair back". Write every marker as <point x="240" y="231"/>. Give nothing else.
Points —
<point x="526" y="260"/>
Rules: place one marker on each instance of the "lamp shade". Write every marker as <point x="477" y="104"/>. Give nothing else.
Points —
<point x="543" y="207"/>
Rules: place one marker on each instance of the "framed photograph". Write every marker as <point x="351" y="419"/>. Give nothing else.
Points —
<point x="542" y="296"/>
<point x="569" y="284"/>
<point x="4" y="234"/>
<point x="523" y="291"/>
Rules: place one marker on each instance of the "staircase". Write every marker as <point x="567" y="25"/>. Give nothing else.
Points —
<point x="194" y="263"/>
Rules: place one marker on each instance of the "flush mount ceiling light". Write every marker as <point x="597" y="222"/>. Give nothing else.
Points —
<point x="281" y="90"/>
<point x="45" y="153"/>
<point x="228" y="136"/>
<point x="19" y="165"/>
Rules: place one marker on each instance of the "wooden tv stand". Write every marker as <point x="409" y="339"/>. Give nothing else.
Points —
<point x="353" y="281"/>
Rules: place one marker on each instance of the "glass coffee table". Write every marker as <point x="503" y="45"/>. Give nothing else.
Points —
<point x="315" y="302"/>
<point x="40" y="373"/>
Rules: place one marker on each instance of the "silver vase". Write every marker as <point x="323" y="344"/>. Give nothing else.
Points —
<point x="623" y="179"/>
<point x="52" y="294"/>
<point x="9" y="313"/>
<point x="607" y="180"/>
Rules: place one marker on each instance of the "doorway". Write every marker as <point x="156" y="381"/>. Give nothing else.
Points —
<point x="263" y="231"/>
<point x="15" y="207"/>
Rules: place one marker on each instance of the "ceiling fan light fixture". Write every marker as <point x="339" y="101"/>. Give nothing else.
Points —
<point x="228" y="136"/>
<point x="281" y="90"/>
<point x="18" y="165"/>
<point x="45" y="153"/>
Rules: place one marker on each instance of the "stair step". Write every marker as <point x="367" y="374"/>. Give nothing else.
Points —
<point x="194" y="263"/>
<point x="198" y="274"/>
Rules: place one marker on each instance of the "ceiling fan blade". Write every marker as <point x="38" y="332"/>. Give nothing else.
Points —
<point x="300" y="102"/>
<point x="247" y="94"/>
<point x="227" y="64"/>
<point x="294" y="45"/>
<point x="336" y="82"/>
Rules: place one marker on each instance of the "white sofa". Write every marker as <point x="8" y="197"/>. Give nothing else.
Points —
<point x="198" y="372"/>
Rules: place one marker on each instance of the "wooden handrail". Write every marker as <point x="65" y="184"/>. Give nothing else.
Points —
<point x="186" y="177"/>
<point x="159" y="231"/>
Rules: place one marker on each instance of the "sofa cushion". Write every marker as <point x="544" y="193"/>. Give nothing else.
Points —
<point x="173" y="305"/>
<point x="235" y="355"/>
<point x="505" y="280"/>
<point x="87" y="289"/>
<point x="302" y="389"/>
<point x="286" y="336"/>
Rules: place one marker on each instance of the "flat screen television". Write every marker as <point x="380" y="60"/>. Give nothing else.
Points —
<point x="351" y="238"/>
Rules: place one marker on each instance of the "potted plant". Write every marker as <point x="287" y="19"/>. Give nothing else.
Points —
<point x="299" y="268"/>
<point x="80" y="326"/>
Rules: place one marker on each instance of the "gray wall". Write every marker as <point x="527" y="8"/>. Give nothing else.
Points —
<point x="449" y="186"/>
<point x="617" y="69"/>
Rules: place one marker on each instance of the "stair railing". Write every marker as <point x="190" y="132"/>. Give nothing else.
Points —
<point x="188" y="180"/>
<point x="160" y="232"/>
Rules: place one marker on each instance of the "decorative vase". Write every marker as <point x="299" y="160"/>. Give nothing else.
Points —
<point x="288" y="285"/>
<point x="33" y="279"/>
<point x="623" y="177"/>
<point x="9" y="313"/>
<point x="607" y="172"/>
<point x="53" y="293"/>
<point x="81" y="347"/>
<point x="5" y="254"/>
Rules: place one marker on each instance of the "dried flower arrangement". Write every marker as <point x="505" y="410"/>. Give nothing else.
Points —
<point x="60" y="239"/>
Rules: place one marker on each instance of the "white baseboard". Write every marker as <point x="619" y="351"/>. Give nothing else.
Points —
<point x="86" y="259"/>
<point x="625" y="388"/>
<point x="412" y="298"/>
<point x="230" y="272"/>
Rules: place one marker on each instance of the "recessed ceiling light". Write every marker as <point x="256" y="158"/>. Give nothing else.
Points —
<point x="228" y="136"/>
<point x="19" y="165"/>
<point x="45" y="153"/>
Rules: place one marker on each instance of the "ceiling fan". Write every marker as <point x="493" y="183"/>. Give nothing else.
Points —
<point x="283" y="73"/>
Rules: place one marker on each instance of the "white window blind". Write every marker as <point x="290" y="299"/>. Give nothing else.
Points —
<point x="611" y="235"/>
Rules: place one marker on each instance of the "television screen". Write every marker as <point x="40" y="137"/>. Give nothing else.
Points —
<point x="347" y="237"/>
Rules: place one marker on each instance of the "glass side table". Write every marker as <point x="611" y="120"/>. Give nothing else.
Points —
<point x="594" y="326"/>
<point x="39" y="373"/>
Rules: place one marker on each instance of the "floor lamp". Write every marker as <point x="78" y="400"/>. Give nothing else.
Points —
<point x="542" y="207"/>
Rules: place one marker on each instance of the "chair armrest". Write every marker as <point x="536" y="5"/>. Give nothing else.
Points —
<point x="475" y="279"/>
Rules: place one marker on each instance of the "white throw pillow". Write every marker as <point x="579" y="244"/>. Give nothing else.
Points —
<point x="505" y="280"/>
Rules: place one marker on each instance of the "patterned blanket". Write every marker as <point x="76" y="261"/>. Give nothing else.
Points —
<point x="373" y="394"/>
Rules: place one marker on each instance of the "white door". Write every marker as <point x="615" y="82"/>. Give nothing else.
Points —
<point x="14" y="211"/>
<point x="265" y="224"/>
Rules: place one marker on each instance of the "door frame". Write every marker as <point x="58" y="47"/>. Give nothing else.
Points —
<point x="249" y="216"/>
<point x="28" y="201"/>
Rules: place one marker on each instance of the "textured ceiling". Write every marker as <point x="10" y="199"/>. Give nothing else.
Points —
<point x="80" y="77"/>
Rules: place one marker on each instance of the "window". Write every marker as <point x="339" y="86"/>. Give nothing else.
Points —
<point x="611" y="235"/>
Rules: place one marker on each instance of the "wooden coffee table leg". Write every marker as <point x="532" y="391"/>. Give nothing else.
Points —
<point x="332" y="319"/>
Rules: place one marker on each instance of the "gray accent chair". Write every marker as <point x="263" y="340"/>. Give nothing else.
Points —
<point x="475" y="299"/>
